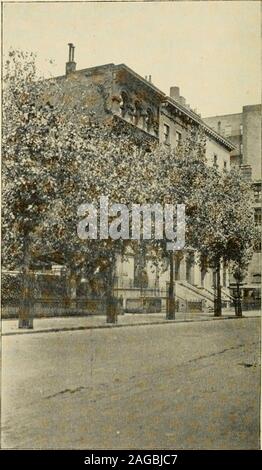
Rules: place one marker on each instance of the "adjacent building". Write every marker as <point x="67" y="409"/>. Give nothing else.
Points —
<point x="244" y="131"/>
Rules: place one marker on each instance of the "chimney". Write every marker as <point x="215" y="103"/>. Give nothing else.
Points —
<point x="174" y="93"/>
<point x="71" y="65"/>
<point x="182" y="101"/>
<point x="150" y="79"/>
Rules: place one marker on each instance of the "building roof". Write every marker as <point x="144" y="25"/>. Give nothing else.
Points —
<point x="248" y="107"/>
<point x="196" y="118"/>
<point x="164" y="98"/>
<point x="185" y="110"/>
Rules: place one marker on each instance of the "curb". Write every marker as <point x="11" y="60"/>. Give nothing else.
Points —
<point x="117" y="325"/>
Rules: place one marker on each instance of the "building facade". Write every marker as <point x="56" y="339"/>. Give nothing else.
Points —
<point x="110" y="92"/>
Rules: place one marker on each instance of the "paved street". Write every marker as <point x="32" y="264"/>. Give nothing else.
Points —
<point x="170" y="386"/>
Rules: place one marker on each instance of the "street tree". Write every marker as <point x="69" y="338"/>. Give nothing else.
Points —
<point x="224" y="230"/>
<point x="178" y="174"/>
<point x="55" y="159"/>
<point x="29" y="159"/>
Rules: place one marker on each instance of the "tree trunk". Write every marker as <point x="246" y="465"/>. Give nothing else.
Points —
<point x="25" y="313"/>
<point x="70" y="299"/>
<point x="236" y="302"/>
<point x="238" y="305"/>
<point x="170" y="313"/>
<point x="72" y="287"/>
<point x="111" y="301"/>
<point x="217" y="291"/>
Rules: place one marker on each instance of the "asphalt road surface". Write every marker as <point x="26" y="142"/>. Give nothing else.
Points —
<point x="177" y="386"/>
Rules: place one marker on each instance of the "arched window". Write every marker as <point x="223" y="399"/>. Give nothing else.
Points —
<point x="140" y="271"/>
<point x="137" y="112"/>
<point x="149" y="119"/>
<point x="124" y="103"/>
<point x="177" y="264"/>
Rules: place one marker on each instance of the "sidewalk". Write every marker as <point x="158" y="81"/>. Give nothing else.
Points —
<point x="55" y="324"/>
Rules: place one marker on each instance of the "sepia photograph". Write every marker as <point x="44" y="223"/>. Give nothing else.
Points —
<point x="131" y="227"/>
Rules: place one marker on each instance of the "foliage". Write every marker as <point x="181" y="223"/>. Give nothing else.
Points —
<point x="55" y="158"/>
<point x="11" y="288"/>
<point x="224" y="226"/>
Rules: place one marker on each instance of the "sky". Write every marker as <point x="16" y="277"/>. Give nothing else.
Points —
<point x="210" y="49"/>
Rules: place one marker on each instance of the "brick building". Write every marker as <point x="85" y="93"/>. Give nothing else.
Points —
<point x="110" y="91"/>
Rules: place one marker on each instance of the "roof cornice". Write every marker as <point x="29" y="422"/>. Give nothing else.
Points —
<point x="197" y="119"/>
<point x="164" y="99"/>
<point x="188" y="112"/>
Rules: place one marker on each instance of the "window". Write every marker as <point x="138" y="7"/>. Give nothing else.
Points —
<point x="189" y="268"/>
<point x="149" y="120"/>
<point x="178" y="138"/>
<point x="228" y="131"/>
<point x="140" y="272"/>
<point x="241" y="129"/>
<point x="225" y="165"/>
<point x="241" y="149"/>
<point x="203" y="269"/>
<point x="124" y="103"/>
<point x="257" y="216"/>
<point x="137" y="113"/>
<point x="215" y="160"/>
<point x="203" y="275"/>
<point x="224" y="276"/>
<point x="257" y="193"/>
<point x="257" y="247"/>
<point x="166" y="134"/>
